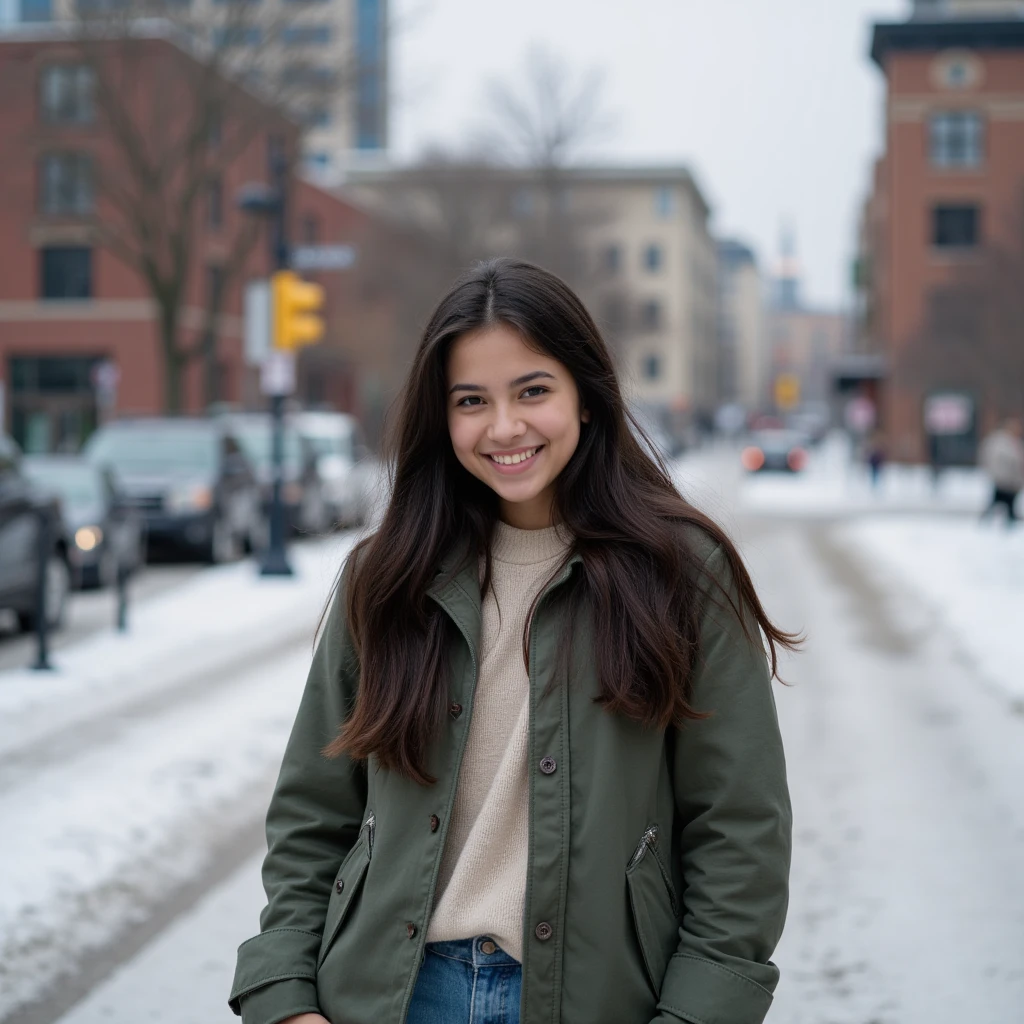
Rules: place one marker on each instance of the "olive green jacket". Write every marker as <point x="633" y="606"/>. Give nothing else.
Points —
<point x="658" y="860"/>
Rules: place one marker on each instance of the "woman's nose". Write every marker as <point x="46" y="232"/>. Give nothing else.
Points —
<point x="506" y="426"/>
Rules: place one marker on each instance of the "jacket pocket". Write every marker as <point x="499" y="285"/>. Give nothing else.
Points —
<point x="655" y="909"/>
<point x="346" y="886"/>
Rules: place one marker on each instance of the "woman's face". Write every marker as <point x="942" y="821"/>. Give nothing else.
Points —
<point x="514" y="418"/>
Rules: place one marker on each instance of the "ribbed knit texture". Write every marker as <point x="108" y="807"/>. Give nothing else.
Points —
<point x="482" y="883"/>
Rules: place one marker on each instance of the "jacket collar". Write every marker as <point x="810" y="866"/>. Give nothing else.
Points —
<point x="456" y="588"/>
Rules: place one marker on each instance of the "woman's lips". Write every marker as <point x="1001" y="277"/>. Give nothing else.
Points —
<point x="518" y="467"/>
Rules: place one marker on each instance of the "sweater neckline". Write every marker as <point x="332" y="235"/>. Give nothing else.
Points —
<point x="529" y="547"/>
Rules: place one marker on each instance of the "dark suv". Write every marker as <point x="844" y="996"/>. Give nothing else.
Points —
<point x="190" y="480"/>
<point x="21" y="507"/>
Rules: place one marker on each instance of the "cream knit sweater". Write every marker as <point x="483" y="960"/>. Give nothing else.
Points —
<point x="482" y="883"/>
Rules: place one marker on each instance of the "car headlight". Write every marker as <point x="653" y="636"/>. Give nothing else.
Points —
<point x="197" y="498"/>
<point x="87" y="538"/>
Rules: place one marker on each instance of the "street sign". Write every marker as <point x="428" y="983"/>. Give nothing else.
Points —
<point x="948" y="412"/>
<point x="277" y="374"/>
<point x="323" y="257"/>
<point x="256" y="316"/>
<point x="787" y="390"/>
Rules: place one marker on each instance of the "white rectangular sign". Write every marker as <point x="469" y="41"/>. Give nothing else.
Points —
<point x="322" y="257"/>
<point x="256" y="314"/>
<point x="277" y="375"/>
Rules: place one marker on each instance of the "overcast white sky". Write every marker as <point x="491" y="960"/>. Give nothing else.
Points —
<point x="773" y="104"/>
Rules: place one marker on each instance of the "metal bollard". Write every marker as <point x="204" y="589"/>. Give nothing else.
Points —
<point x="43" y="545"/>
<point x="122" y="598"/>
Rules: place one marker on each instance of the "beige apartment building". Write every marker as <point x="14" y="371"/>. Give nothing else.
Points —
<point x="742" y="330"/>
<point x="633" y="240"/>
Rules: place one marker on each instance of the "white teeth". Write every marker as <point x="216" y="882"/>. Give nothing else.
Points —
<point x="514" y="460"/>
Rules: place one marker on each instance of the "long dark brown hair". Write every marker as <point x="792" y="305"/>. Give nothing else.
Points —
<point x="639" y="578"/>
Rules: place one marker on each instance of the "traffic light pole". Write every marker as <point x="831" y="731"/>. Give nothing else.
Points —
<point x="275" y="558"/>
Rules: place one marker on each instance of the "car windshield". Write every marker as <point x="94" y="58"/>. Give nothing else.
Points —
<point x="142" y="449"/>
<point x="331" y="444"/>
<point x="256" y="438"/>
<point x="78" y="486"/>
<point x="777" y="440"/>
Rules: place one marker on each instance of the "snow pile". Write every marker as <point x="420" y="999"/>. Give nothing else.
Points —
<point x="212" y="621"/>
<point x="122" y="773"/>
<point x="969" y="575"/>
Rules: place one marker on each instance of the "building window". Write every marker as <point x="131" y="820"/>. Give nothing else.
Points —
<point x="318" y="161"/>
<point x="310" y="228"/>
<point x="956" y="227"/>
<point x="612" y="258"/>
<point x="957" y="139"/>
<point x="370" y="81"/>
<point x="317" y="76"/>
<point x="215" y="204"/>
<point x="653" y="258"/>
<point x="664" y="203"/>
<point x="227" y="36"/>
<point x="615" y="314"/>
<point x="215" y="280"/>
<point x="66" y="94"/>
<point x="650" y="315"/>
<point x="36" y="11"/>
<point x="65" y="273"/>
<point x="306" y="35"/>
<point x="66" y="185"/>
<point x="652" y="367"/>
<point x="317" y="117"/>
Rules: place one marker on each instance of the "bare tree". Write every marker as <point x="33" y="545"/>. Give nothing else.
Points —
<point x="175" y="120"/>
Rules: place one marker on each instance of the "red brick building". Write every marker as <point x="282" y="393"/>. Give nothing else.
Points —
<point x="72" y="307"/>
<point x="943" y="230"/>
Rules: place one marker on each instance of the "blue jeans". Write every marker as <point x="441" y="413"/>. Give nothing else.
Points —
<point x="460" y="983"/>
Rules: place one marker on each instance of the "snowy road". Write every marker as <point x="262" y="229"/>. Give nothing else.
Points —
<point x="905" y="767"/>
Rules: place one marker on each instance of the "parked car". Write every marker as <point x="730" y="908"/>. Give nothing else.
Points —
<point x="190" y="479"/>
<point x="348" y="471"/>
<point x="303" y="492"/>
<point x="106" y="533"/>
<point x="22" y="505"/>
<point x="779" y="450"/>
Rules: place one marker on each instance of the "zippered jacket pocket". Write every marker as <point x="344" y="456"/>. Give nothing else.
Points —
<point x="655" y="910"/>
<point x="347" y="885"/>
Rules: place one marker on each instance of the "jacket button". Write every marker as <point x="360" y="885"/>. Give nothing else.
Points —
<point x="435" y="822"/>
<point x="455" y="710"/>
<point x="548" y="765"/>
<point x="339" y="885"/>
<point x="410" y="930"/>
<point x="543" y="931"/>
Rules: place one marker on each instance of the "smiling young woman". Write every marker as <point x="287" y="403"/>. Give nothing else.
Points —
<point x="554" y="789"/>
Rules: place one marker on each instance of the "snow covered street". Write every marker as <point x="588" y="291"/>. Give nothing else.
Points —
<point x="130" y="797"/>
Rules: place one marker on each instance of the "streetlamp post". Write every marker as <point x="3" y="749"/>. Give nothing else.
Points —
<point x="271" y="201"/>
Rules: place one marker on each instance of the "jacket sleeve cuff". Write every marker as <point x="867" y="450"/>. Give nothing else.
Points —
<point x="704" y="992"/>
<point x="276" y="971"/>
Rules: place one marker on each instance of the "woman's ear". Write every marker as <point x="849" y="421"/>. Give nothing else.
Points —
<point x="585" y="416"/>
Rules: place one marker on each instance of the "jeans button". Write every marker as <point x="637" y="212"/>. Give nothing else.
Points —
<point x="543" y="931"/>
<point x="487" y="947"/>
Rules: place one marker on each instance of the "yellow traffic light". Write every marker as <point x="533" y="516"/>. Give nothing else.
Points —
<point x="297" y="308"/>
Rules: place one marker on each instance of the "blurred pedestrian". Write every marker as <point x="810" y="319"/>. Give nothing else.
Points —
<point x="1002" y="458"/>
<point x="537" y="763"/>
<point x="875" y="456"/>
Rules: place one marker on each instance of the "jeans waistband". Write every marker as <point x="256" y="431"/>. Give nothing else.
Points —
<point x="471" y="951"/>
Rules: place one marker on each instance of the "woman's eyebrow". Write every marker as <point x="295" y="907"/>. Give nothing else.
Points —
<point x="525" y="379"/>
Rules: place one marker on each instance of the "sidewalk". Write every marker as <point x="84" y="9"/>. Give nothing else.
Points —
<point x="122" y="773"/>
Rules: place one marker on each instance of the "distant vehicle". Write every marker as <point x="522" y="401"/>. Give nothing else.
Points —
<point x="21" y="507"/>
<point x="779" y="450"/>
<point x="105" y="532"/>
<point x="190" y="480"/>
<point x="813" y="422"/>
<point x="348" y="471"/>
<point x="303" y="491"/>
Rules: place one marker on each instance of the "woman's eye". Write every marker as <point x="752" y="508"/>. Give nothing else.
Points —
<point x="467" y="400"/>
<point x="537" y="389"/>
